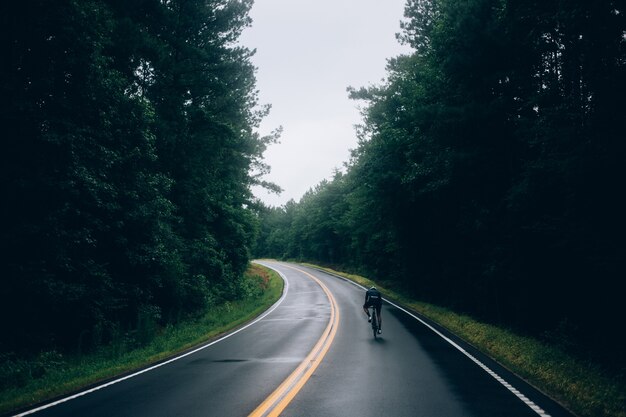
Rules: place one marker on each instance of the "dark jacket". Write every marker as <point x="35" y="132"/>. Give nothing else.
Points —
<point x="373" y="298"/>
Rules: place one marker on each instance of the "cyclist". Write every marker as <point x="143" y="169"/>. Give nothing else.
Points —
<point x="373" y="298"/>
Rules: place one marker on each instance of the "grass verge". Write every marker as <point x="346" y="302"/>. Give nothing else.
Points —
<point x="52" y="374"/>
<point x="582" y="387"/>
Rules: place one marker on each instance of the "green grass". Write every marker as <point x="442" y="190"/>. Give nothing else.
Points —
<point x="52" y="374"/>
<point x="582" y="387"/>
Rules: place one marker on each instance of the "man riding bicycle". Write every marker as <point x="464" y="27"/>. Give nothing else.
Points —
<point x="373" y="298"/>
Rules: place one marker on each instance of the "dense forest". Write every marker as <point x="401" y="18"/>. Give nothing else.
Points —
<point x="489" y="173"/>
<point x="129" y="149"/>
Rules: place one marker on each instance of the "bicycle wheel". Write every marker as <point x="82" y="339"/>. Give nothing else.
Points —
<point x="374" y="323"/>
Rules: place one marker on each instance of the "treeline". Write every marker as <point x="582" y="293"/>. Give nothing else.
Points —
<point x="489" y="175"/>
<point x="128" y="152"/>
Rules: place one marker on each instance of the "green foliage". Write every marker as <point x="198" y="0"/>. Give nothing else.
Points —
<point x="128" y="151"/>
<point x="17" y="372"/>
<point x="488" y="172"/>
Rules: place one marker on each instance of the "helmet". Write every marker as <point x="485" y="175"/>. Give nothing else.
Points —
<point x="372" y="288"/>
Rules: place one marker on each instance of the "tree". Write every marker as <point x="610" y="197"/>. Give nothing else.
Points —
<point x="127" y="163"/>
<point x="487" y="172"/>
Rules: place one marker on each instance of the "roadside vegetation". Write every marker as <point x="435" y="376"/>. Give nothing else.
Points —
<point x="129" y="150"/>
<point x="581" y="386"/>
<point x="31" y="380"/>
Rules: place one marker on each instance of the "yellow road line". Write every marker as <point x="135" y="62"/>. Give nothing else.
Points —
<point x="289" y="388"/>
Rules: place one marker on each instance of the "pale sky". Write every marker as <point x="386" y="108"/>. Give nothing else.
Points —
<point x="308" y="53"/>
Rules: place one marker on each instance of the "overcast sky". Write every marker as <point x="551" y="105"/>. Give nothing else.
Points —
<point x="308" y="53"/>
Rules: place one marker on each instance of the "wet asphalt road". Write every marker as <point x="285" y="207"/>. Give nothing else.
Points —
<point x="410" y="371"/>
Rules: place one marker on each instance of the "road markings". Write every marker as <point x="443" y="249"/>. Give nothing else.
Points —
<point x="497" y="377"/>
<point x="115" y="381"/>
<point x="512" y="389"/>
<point x="289" y="388"/>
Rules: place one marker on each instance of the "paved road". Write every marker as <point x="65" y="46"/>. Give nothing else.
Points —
<point x="410" y="371"/>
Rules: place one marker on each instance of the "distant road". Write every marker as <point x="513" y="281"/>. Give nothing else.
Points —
<point x="314" y="355"/>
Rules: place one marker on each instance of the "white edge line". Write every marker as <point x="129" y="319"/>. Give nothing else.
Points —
<point x="498" y="378"/>
<point x="99" y="387"/>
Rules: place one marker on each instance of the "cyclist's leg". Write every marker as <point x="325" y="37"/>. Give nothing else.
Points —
<point x="366" y="310"/>
<point x="380" y="316"/>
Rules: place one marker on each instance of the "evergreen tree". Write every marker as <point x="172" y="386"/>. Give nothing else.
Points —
<point x="487" y="174"/>
<point x="128" y="153"/>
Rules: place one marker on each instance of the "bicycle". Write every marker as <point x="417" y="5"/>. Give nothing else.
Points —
<point x="374" y="323"/>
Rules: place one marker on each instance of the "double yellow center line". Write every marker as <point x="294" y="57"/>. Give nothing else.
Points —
<point x="282" y="396"/>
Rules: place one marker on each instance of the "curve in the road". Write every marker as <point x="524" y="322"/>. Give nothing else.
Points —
<point x="288" y="389"/>
<point x="420" y="369"/>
